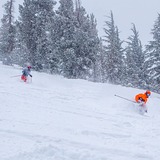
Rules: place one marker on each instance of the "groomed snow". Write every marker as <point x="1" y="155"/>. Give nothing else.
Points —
<point x="53" y="118"/>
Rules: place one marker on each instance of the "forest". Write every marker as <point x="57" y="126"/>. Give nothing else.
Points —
<point x="65" y="41"/>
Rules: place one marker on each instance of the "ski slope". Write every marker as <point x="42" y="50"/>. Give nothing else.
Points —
<point x="53" y="118"/>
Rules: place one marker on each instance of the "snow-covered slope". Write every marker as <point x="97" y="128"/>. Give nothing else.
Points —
<point x="54" y="118"/>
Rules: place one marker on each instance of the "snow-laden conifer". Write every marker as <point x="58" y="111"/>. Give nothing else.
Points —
<point x="7" y="33"/>
<point x="113" y="53"/>
<point x="153" y="57"/>
<point x="134" y="60"/>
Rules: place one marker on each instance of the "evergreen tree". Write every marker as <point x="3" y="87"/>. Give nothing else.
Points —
<point x="86" y="44"/>
<point x="7" y="33"/>
<point x="35" y="19"/>
<point x="20" y="52"/>
<point x="100" y="63"/>
<point x="63" y="38"/>
<point x="153" y="57"/>
<point x="135" y="61"/>
<point x="114" y="53"/>
<point x="94" y="49"/>
<point x="76" y="40"/>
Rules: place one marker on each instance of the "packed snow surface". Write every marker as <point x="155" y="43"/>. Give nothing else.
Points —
<point x="53" y="118"/>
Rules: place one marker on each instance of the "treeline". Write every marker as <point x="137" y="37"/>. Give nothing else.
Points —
<point x="65" y="41"/>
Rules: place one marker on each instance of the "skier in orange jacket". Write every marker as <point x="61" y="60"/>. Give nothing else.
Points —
<point x="142" y="99"/>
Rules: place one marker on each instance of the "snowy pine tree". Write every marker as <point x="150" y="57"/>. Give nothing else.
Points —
<point x="63" y="38"/>
<point x="114" y="53"/>
<point x="135" y="61"/>
<point x="35" y="20"/>
<point x="20" y="52"/>
<point x="86" y="45"/>
<point x="7" y="33"/>
<point x="153" y="57"/>
<point x="100" y="63"/>
<point x="94" y="49"/>
<point x="75" y="40"/>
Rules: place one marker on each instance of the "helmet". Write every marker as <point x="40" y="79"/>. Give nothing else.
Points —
<point x="148" y="93"/>
<point x="29" y="67"/>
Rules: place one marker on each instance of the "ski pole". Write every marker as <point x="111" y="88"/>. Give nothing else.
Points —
<point x="125" y="98"/>
<point x="15" y="76"/>
<point x="31" y="80"/>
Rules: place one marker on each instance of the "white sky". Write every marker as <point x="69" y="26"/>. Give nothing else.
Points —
<point x="141" y="12"/>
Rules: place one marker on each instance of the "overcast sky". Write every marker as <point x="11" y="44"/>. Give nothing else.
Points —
<point x="142" y="13"/>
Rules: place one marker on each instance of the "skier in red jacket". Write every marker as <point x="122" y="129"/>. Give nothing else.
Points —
<point x="25" y="73"/>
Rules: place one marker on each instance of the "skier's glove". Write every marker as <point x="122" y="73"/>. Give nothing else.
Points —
<point x="30" y="75"/>
<point x="140" y="100"/>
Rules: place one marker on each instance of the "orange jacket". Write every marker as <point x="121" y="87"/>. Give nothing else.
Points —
<point x="141" y="96"/>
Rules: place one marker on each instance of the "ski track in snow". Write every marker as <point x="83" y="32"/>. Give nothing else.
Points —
<point x="56" y="118"/>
